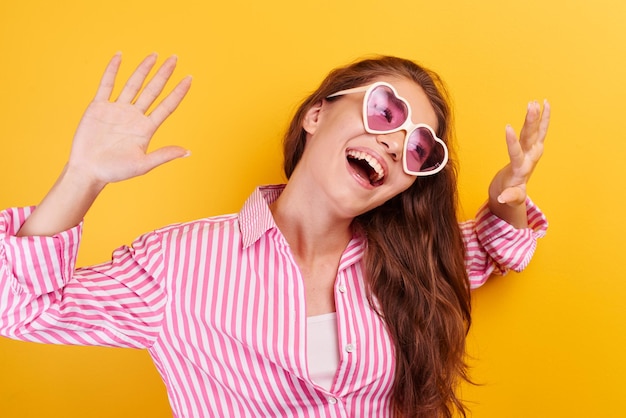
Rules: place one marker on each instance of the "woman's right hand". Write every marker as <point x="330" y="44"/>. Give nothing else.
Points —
<point x="110" y="144"/>
<point x="112" y="138"/>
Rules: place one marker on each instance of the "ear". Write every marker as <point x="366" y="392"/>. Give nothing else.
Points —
<point x="312" y="118"/>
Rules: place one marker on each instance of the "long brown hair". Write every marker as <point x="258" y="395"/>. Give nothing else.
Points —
<point x="414" y="262"/>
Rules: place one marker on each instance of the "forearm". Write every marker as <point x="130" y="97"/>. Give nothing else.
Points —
<point x="513" y="215"/>
<point x="64" y="206"/>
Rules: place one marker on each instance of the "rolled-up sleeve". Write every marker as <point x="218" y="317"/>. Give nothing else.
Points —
<point x="44" y="298"/>
<point x="493" y="246"/>
<point x="36" y="265"/>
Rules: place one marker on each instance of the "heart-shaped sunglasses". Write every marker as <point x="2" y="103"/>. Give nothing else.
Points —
<point x="385" y="112"/>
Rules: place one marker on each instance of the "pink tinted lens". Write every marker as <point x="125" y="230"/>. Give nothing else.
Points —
<point x="385" y="111"/>
<point x="422" y="152"/>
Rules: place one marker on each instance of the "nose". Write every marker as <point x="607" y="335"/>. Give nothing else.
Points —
<point x="393" y="143"/>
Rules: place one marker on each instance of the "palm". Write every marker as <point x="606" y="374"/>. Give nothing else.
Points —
<point x="112" y="139"/>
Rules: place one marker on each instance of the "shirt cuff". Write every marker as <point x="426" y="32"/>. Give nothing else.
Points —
<point x="509" y="247"/>
<point x="36" y="264"/>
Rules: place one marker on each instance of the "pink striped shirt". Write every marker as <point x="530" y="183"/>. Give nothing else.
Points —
<point x="220" y="305"/>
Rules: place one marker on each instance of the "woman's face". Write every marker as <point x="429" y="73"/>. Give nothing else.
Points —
<point x="356" y="170"/>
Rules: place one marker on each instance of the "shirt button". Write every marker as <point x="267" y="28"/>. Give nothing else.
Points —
<point x="342" y="288"/>
<point x="332" y="400"/>
<point x="349" y="348"/>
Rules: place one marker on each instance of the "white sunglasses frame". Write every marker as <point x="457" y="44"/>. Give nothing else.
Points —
<point x="408" y="126"/>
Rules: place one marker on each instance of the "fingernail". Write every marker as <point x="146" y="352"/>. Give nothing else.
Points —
<point x="501" y="199"/>
<point x="187" y="154"/>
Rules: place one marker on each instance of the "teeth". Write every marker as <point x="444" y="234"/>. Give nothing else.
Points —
<point x="380" y="173"/>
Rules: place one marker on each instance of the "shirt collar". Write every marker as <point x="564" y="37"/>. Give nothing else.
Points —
<point x="255" y="217"/>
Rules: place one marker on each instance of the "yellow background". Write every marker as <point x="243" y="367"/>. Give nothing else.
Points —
<point x="545" y="343"/>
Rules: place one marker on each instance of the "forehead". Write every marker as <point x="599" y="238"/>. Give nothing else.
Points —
<point x="422" y="110"/>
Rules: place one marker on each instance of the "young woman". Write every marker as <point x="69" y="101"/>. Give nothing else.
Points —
<point x="344" y="292"/>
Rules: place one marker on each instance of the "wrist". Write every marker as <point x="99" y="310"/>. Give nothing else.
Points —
<point x="81" y="181"/>
<point x="65" y="205"/>
<point x="512" y="213"/>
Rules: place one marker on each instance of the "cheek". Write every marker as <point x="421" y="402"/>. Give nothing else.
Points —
<point x="408" y="181"/>
<point x="404" y="182"/>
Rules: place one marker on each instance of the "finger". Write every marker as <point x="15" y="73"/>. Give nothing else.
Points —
<point x="105" y="89"/>
<point x="156" y="84"/>
<point x="512" y="196"/>
<point x="516" y="153"/>
<point x="171" y="101"/>
<point x="545" y="121"/>
<point x="136" y="80"/>
<point x="163" y="155"/>
<point x="528" y="134"/>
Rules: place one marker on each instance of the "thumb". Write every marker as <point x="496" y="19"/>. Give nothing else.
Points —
<point x="512" y="196"/>
<point x="164" y="155"/>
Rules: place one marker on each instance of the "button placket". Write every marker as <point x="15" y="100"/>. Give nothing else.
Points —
<point x="347" y="338"/>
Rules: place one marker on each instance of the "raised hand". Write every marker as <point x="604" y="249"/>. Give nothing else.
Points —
<point x="112" y="138"/>
<point x="110" y="144"/>
<point x="508" y="187"/>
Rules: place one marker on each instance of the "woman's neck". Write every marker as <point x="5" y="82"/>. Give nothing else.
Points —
<point x="317" y="241"/>
<point x="309" y="225"/>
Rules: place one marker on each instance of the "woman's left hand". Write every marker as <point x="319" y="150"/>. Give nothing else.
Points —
<point x="508" y="187"/>
<point x="509" y="184"/>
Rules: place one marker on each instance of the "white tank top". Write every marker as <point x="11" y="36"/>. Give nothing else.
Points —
<point x="323" y="348"/>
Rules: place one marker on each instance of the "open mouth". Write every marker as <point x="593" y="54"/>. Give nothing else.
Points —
<point x="366" y="166"/>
